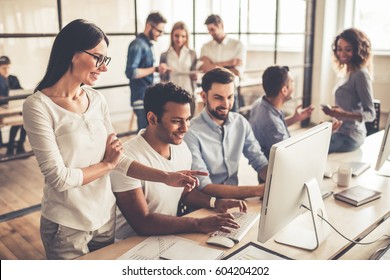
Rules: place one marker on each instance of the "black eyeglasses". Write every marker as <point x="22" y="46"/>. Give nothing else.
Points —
<point x="100" y="59"/>
<point x="158" y="30"/>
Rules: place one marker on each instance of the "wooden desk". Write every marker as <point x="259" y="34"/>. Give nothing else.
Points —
<point x="10" y="116"/>
<point x="354" y="222"/>
<point x="364" y="252"/>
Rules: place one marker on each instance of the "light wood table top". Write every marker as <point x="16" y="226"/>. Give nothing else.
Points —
<point x="354" y="222"/>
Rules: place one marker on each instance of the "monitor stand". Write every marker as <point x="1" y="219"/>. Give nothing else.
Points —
<point x="385" y="169"/>
<point x="307" y="231"/>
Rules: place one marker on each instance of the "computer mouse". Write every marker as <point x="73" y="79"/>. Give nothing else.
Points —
<point x="220" y="241"/>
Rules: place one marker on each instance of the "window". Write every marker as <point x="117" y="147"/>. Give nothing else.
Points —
<point x="372" y="17"/>
<point x="273" y="31"/>
<point x="112" y="16"/>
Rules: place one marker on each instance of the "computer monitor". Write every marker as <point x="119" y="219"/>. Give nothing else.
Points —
<point x="383" y="162"/>
<point x="296" y="166"/>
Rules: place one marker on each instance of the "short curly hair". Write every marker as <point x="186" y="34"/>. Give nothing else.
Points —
<point x="156" y="96"/>
<point x="361" y="47"/>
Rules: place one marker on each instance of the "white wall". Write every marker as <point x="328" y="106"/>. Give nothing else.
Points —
<point x="330" y="20"/>
<point x="381" y="82"/>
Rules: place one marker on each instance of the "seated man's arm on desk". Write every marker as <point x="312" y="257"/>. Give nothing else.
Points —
<point x="200" y="199"/>
<point x="134" y="208"/>
<point x="252" y="151"/>
<point x="220" y="190"/>
<point x="236" y="192"/>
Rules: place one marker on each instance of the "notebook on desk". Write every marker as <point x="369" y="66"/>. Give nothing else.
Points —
<point x="358" y="167"/>
<point x="253" y="251"/>
<point x="185" y="250"/>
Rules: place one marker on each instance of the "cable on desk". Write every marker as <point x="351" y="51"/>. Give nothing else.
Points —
<point x="342" y="235"/>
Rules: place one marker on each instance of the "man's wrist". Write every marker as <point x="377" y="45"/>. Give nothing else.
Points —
<point x="165" y="177"/>
<point x="156" y="69"/>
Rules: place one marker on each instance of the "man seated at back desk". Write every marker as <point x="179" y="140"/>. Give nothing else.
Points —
<point x="150" y="208"/>
<point x="267" y="119"/>
<point x="217" y="138"/>
<point x="10" y="82"/>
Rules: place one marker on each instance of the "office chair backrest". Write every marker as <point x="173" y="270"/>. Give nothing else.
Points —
<point x="373" y="126"/>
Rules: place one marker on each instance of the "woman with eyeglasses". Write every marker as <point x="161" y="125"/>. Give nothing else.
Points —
<point x="70" y="132"/>
<point x="181" y="60"/>
<point x="354" y="94"/>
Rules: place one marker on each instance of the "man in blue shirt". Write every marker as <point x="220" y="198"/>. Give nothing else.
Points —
<point x="267" y="118"/>
<point x="139" y="67"/>
<point x="217" y="138"/>
<point x="8" y="82"/>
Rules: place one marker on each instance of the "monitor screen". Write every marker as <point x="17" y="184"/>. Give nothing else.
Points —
<point x="382" y="163"/>
<point x="293" y="164"/>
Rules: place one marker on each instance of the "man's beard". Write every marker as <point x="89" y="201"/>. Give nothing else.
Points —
<point x="150" y="35"/>
<point x="214" y="113"/>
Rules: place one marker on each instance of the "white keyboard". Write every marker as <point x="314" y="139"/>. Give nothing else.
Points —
<point x="245" y="220"/>
<point x="357" y="167"/>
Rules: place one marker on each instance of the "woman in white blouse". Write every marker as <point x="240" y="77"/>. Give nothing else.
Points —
<point x="70" y="132"/>
<point x="181" y="60"/>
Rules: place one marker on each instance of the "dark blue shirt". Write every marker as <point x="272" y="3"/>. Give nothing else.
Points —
<point x="11" y="82"/>
<point x="139" y="55"/>
<point x="268" y="124"/>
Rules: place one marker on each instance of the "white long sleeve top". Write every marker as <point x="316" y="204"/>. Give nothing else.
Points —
<point x="64" y="142"/>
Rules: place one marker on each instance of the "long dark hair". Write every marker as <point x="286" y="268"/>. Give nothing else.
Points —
<point x="76" y="36"/>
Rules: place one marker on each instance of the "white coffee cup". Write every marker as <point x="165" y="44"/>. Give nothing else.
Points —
<point x="344" y="175"/>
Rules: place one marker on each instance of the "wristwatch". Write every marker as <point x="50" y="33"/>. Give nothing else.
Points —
<point x="156" y="69"/>
<point x="213" y="199"/>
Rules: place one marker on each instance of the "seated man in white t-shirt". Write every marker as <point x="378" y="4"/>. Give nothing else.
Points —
<point x="150" y="208"/>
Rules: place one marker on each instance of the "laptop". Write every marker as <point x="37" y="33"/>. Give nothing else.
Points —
<point x="358" y="167"/>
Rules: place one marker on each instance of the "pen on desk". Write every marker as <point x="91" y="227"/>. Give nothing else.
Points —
<point x="327" y="194"/>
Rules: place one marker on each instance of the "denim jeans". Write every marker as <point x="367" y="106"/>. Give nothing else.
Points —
<point x="141" y="119"/>
<point x="342" y="143"/>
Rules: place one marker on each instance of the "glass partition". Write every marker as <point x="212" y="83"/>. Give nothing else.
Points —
<point x="21" y="16"/>
<point x="273" y="31"/>
<point x="29" y="58"/>
<point x="114" y="16"/>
